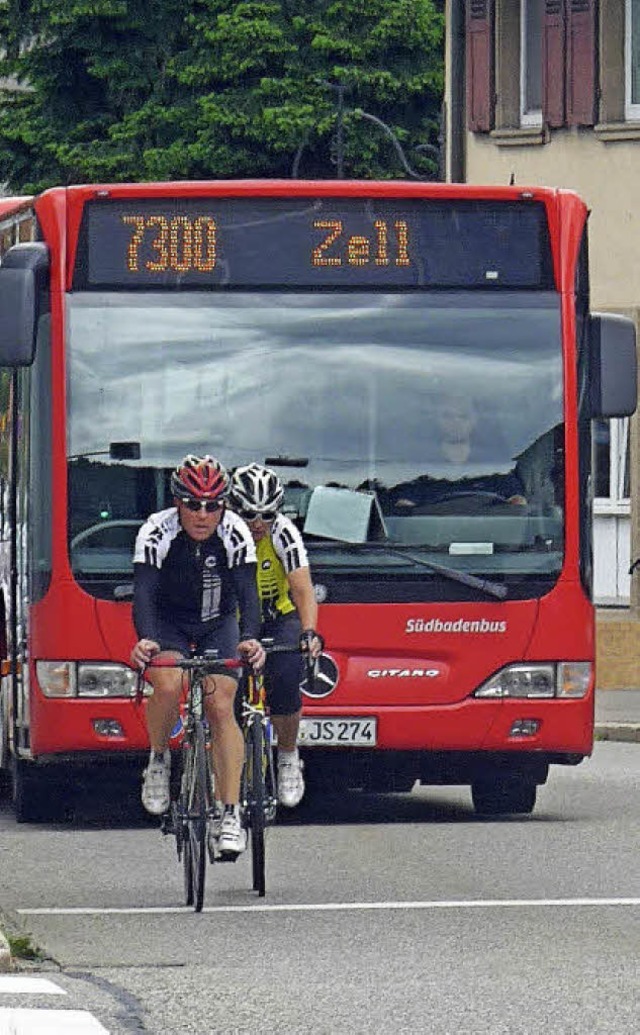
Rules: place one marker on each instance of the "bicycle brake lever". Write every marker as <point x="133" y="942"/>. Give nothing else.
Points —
<point x="311" y="663"/>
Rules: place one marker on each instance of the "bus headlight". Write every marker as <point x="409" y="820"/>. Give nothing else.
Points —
<point x="101" y="679"/>
<point x="87" y="679"/>
<point x="567" y="679"/>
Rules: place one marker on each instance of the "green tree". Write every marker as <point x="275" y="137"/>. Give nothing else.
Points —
<point x="83" y="67"/>
<point x="159" y="89"/>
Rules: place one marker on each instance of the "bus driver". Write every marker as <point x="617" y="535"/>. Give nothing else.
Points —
<point x="194" y="571"/>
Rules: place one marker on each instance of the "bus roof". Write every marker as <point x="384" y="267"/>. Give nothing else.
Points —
<point x="12" y="204"/>
<point x="280" y="187"/>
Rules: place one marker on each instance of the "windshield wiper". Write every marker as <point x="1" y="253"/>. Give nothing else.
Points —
<point x="493" y="589"/>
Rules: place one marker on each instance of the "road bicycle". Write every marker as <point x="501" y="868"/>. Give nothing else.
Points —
<point x="192" y="813"/>
<point x="259" y="793"/>
<point x="192" y="810"/>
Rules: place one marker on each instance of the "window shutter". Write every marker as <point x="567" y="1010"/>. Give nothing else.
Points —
<point x="480" y="65"/>
<point x="553" y="63"/>
<point x="581" y="62"/>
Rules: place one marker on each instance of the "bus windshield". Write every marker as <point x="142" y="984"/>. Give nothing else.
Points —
<point x="429" y="421"/>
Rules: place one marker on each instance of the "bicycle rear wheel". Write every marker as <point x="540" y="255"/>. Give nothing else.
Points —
<point x="187" y="872"/>
<point x="179" y="813"/>
<point x="195" y="848"/>
<point x="183" y="840"/>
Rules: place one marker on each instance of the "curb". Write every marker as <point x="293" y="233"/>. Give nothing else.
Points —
<point x="6" y="962"/>
<point x="625" y="732"/>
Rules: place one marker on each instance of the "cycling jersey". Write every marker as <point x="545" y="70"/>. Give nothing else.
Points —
<point x="279" y="553"/>
<point x="194" y="584"/>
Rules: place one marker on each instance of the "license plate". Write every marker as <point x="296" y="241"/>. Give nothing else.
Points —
<point x="336" y="732"/>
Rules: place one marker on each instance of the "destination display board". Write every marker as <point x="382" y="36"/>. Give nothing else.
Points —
<point x="210" y="243"/>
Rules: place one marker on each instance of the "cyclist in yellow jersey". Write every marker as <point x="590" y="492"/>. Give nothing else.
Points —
<point x="289" y="612"/>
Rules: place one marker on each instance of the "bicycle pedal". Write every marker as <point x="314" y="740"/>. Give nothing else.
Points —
<point x="166" y="824"/>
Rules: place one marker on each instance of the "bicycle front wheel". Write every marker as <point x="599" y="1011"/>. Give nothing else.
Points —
<point x="257" y="764"/>
<point x="195" y="849"/>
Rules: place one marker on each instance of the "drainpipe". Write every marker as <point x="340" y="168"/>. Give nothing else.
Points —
<point x="455" y="116"/>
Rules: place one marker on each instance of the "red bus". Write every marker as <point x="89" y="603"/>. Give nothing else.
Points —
<point x="420" y="365"/>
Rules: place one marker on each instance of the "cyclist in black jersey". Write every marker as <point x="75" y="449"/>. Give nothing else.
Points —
<point x="194" y="574"/>
<point x="289" y="612"/>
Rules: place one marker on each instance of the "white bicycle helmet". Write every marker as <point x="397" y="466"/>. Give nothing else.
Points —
<point x="255" y="491"/>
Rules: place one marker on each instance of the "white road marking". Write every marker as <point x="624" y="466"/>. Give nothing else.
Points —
<point x="18" y="984"/>
<point x="328" y="907"/>
<point x="49" y="1022"/>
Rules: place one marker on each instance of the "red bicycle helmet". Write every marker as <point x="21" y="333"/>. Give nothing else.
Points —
<point x="199" y="478"/>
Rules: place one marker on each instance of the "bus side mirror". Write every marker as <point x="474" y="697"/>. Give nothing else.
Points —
<point x="24" y="275"/>
<point x="17" y="317"/>
<point x="613" y="383"/>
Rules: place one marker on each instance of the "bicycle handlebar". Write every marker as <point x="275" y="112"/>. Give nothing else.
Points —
<point x="211" y="664"/>
<point x="198" y="661"/>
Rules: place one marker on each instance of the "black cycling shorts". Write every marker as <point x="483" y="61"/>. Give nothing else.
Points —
<point x="222" y="635"/>
<point x="283" y="673"/>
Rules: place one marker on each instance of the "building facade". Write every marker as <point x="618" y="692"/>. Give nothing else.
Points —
<point x="547" y="92"/>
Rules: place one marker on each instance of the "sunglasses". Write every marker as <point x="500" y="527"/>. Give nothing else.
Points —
<point x="210" y="506"/>
<point x="256" y="515"/>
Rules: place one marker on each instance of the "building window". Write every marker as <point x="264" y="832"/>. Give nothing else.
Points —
<point x="611" y="463"/>
<point x="546" y="72"/>
<point x="531" y="12"/>
<point x="632" y="59"/>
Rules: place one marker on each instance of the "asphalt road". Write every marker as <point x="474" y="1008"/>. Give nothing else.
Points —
<point x="402" y="913"/>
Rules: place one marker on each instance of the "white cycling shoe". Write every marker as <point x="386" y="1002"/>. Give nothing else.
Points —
<point x="290" y="782"/>
<point x="155" y="783"/>
<point x="232" y="839"/>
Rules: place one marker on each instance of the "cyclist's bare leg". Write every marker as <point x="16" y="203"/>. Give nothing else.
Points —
<point x="163" y="707"/>
<point x="227" y="741"/>
<point x="286" y="727"/>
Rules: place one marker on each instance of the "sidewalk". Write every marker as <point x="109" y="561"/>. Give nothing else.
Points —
<point x="618" y="715"/>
